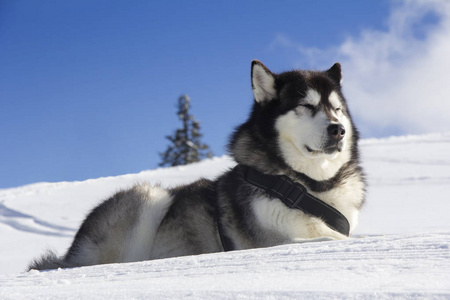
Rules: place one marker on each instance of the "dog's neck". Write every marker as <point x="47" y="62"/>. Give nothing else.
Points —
<point x="247" y="150"/>
<point x="317" y="168"/>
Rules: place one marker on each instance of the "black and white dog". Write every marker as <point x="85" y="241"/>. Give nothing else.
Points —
<point x="298" y="178"/>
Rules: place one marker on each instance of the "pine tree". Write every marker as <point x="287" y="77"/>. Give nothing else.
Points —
<point x="185" y="147"/>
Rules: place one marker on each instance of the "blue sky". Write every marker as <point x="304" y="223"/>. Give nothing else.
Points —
<point x="89" y="88"/>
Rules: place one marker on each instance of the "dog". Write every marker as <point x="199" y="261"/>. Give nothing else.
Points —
<point x="297" y="179"/>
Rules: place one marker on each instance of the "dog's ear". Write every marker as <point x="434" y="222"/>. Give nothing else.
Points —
<point x="335" y="73"/>
<point x="263" y="82"/>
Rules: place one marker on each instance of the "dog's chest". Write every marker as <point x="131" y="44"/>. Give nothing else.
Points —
<point x="274" y="216"/>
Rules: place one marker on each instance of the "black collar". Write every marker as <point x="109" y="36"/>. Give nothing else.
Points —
<point x="294" y="195"/>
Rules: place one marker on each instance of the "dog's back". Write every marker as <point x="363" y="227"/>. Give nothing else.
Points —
<point x="142" y="223"/>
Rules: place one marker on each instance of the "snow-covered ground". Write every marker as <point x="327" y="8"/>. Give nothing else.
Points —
<point x="401" y="248"/>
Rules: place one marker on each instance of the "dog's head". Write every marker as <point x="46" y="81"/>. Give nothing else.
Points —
<point x="312" y="122"/>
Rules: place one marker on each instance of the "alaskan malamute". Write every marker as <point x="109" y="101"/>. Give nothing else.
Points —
<point x="298" y="178"/>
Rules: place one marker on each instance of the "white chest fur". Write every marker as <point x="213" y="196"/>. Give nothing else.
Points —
<point x="293" y="224"/>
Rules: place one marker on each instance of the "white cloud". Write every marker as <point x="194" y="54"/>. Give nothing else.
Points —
<point x="398" y="80"/>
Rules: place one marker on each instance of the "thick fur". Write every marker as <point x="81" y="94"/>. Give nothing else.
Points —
<point x="300" y="126"/>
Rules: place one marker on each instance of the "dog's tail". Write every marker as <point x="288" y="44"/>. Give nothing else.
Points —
<point x="49" y="260"/>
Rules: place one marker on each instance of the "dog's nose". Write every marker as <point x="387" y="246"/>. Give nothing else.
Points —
<point x="336" y="131"/>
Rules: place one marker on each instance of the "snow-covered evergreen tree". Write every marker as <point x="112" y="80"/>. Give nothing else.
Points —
<point x="186" y="146"/>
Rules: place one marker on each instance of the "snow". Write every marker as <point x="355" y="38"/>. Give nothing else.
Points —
<point x="400" y="248"/>
<point x="359" y="268"/>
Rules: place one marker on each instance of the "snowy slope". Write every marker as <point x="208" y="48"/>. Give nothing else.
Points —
<point x="405" y="251"/>
<point x="383" y="267"/>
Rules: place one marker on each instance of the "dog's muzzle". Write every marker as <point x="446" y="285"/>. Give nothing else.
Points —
<point x="335" y="143"/>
